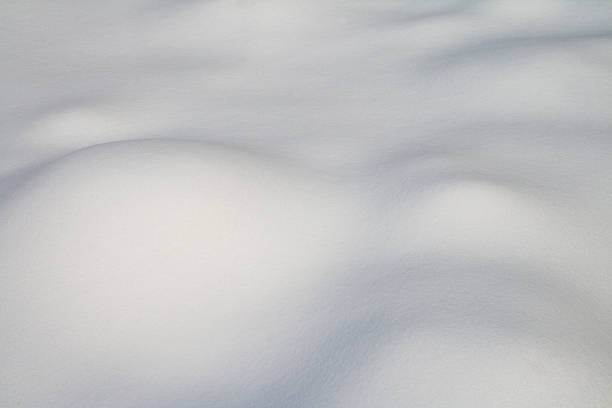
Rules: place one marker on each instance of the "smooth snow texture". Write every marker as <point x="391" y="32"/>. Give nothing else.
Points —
<point x="330" y="204"/>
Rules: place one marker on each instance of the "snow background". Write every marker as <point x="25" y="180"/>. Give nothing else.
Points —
<point x="308" y="204"/>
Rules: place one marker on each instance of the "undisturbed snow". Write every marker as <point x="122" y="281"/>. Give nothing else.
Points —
<point x="322" y="204"/>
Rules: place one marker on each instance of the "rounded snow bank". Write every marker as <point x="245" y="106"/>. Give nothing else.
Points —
<point x="183" y="261"/>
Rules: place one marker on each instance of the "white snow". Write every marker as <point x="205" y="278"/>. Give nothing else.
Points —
<point x="330" y="204"/>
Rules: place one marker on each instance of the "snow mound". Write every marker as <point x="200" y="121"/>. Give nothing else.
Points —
<point x="186" y="262"/>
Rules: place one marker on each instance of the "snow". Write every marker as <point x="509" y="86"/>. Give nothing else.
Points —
<point x="267" y="203"/>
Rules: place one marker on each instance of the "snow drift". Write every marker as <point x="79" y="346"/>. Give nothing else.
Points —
<point x="306" y="204"/>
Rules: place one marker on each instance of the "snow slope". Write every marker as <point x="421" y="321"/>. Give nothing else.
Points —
<point x="266" y="203"/>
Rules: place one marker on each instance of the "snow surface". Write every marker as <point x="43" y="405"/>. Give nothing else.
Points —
<point x="330" y="204"/>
